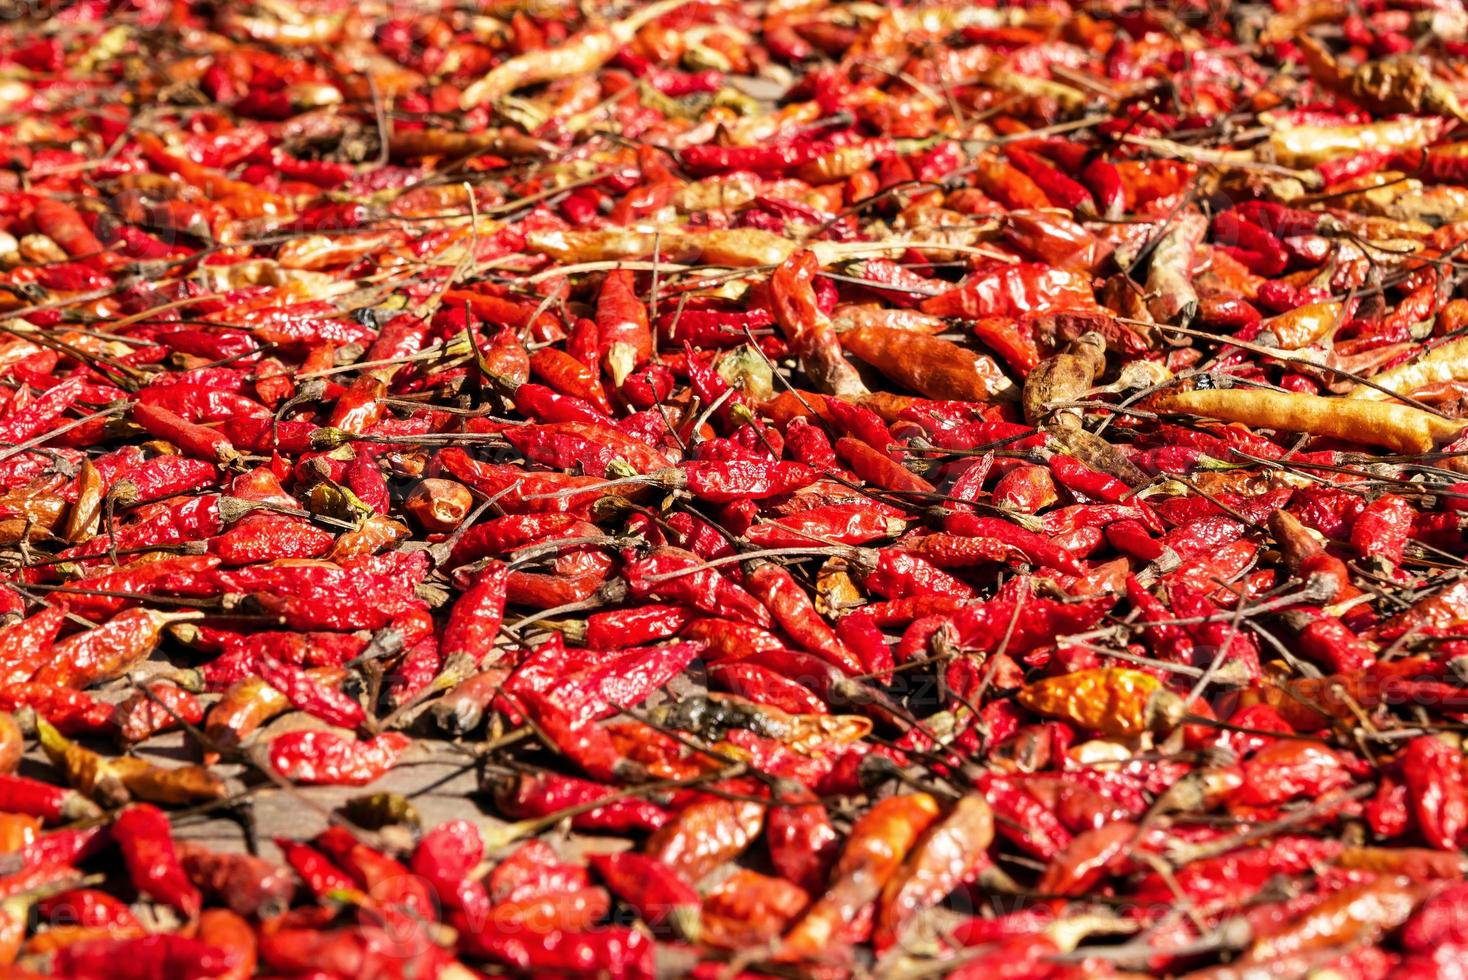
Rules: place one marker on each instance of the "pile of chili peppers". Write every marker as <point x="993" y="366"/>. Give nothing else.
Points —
<point x="870" y="489"/>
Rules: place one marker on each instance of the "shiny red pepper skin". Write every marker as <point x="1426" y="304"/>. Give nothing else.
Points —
<point x="321" y="757"/>
<point x="1432" y="771"/>
<point x="474" y="621"/>
<point x="675" y="574"/>
<point x="445" y="858"/>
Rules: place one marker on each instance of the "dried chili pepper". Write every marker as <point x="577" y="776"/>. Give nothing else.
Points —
<point x="143" y="834"/>
<point x="322" y="757"/>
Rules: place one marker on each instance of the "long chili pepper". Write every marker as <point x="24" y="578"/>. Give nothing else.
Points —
<point x="528" y="796"/>
<point x="19" y="794"/>
<point x="148" y="956"/>
<point x="109" y="650"/>
<point x="675" y="574"/>
<point x="314" y="757"/>
<point x="764" y="686"/>
<point x="655" y="891"/>
<point x="797" y="616"/>
<point x="624" y="337"/>
<point x="630" y="627"/>
<point x="322" y="877"/>
<point x="246" y="705"/>
<point x="156" y="708"/>
<point x="705" y="834"/>
<point x="305" y="693"/>
<point x="27" y="643"/>
<point x="1432" y="770"/>
<point x="841" y="524"/>
<point x="870" y="857"/>
<point x="297" y="946"/>
<point x="950" y="853"/>
<point x="195" y="440"/>
<point x="613" y="952"/>
<point x="580" y="739"/>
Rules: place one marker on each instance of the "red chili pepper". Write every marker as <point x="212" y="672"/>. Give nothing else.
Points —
<point x="322" y="877"/>
<point x="305" y="693"/>
<point x="764" y="686"/>
<point x="767" y="161"/>
<point x="109" y="650"/>
<point x="801" y="839"/>
<point x="839" y="524"/>
<point x="611" y="951"/>
<point x="1062" y="191"/>
<point x="879" y="469"/>
<point x="155" y="708"/>
<point x="474" y="622"/>
<point x="1013" y="291"/>
<point x="249" y="885"/>
<point x="657" y="893"/>
<point x="796" y="615"/>
<point x="386" y="880"/>
<point x="54" y="804"/>
<point x="315" y="757"/>
<point x="144" y="835"/>
<point x="673" y="574"/>
<point x="1383" y="528"/>
<point x="539" y="796"/>
<point x="446" y="858"/>
<point x="88" y="907"/>
<point x="622" y="628"/>
<point x="159" y="955"/>
<point x="1432" y="771"/>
